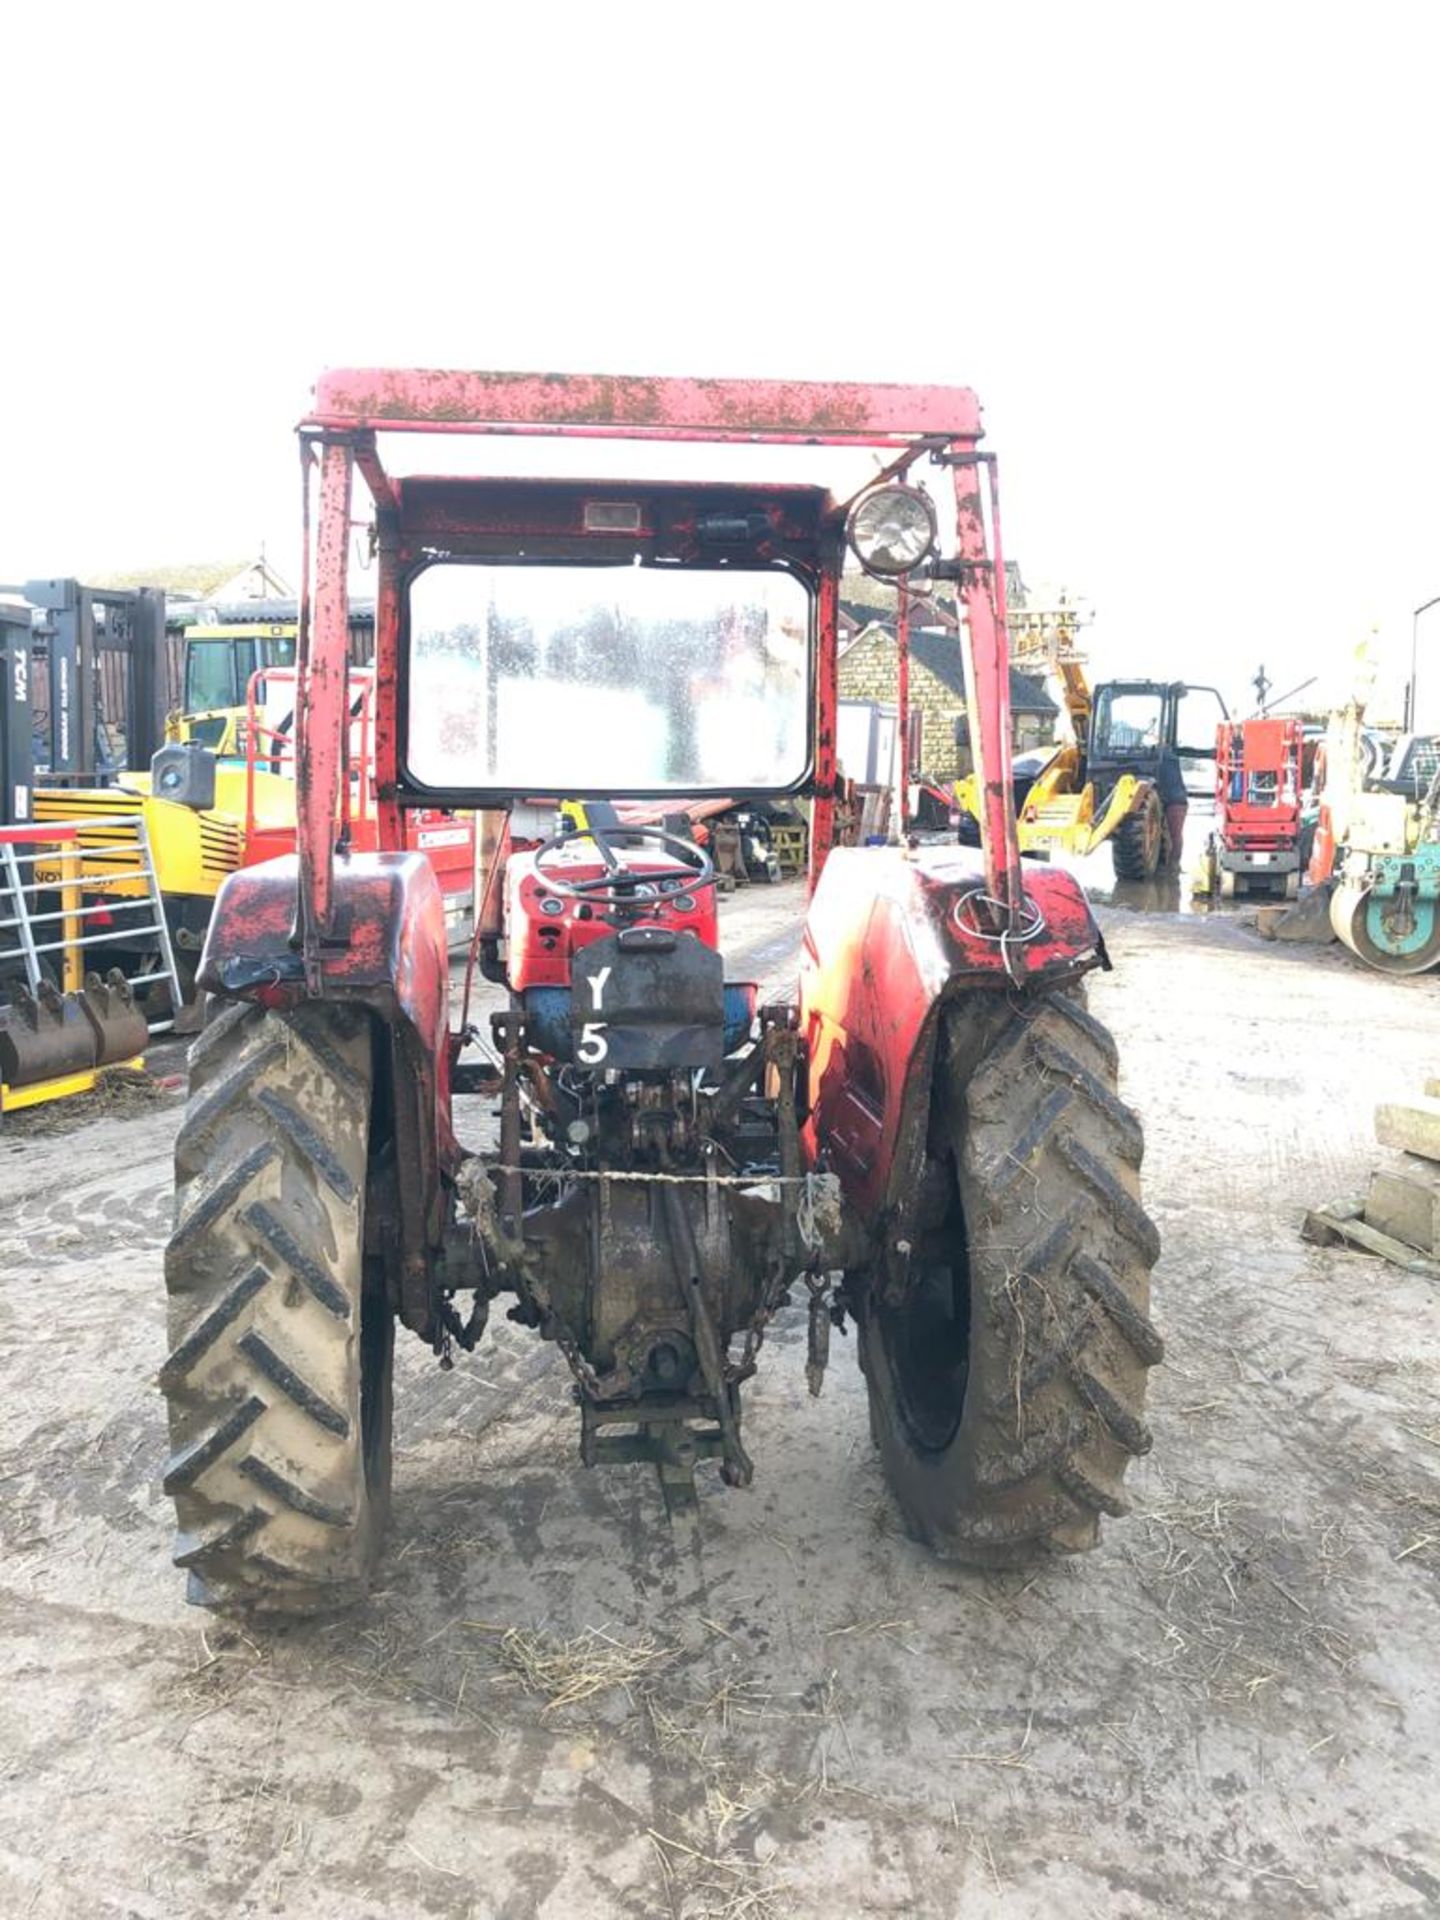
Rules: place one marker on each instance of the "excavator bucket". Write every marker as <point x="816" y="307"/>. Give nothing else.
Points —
<point x="49" y="1035"/>
<point x="118" y="1024"/>
<point x="44" y="1036"/>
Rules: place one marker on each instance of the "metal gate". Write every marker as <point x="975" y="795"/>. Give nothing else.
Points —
<point x="56" y="920"/>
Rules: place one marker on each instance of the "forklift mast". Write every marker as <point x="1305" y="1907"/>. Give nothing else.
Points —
<point x="82" y="624"/>
<point x="17" y="758"/>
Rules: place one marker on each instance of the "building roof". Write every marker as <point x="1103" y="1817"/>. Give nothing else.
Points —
<point x="180" y="614"/>
<point x="195" y="578"/>
<point x="1028" y="695"/>
<point x="207" y="580"/>
<point x="939" y="653"/>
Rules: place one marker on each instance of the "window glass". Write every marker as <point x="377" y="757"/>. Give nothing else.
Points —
<point x="560" y="679"/>
<point x="1129" y="722"/>
<point x="209" y="675"/>
<point x="1200" y="713"/>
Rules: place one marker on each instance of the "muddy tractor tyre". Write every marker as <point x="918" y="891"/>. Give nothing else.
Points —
<point x="1007" y="1382"/>
<point x="279" y="1377"/>
<point x="1137" y="846"/>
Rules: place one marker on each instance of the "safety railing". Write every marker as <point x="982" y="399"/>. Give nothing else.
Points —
<point x="58" y="914"/>
<point x="271" y="745"/>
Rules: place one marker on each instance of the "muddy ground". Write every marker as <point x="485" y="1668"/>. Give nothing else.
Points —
<point x="1230" y="1708"/>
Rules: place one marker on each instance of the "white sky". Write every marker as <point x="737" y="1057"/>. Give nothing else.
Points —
<point x="1186" y="255"/>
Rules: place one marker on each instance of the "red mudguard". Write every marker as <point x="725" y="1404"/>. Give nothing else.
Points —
<point x="889" y="935"/>
<point x="387" y="950"/>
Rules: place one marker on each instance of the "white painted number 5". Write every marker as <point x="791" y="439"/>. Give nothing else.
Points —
<point x="593" y="1045"/>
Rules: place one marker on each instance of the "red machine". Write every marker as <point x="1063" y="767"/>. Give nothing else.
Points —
<point x="1257" y="806"/>
<point x="929" y="1143"/>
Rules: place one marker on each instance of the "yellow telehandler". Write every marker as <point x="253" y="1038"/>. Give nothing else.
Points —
<point x="1101" y="785"/>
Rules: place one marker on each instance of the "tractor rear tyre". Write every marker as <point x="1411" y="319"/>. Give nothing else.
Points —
<point x="279" y="1378"/>
<point x="1138" y="844"/>
<point x="1007" y="1383"/>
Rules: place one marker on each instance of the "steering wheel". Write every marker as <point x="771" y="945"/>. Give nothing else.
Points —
<point x="619" y="885"/>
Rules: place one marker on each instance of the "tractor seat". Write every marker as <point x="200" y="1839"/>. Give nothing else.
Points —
<point x="549" y="1018"/>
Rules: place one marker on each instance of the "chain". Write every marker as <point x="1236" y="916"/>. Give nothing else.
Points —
<point x="742" y="1368"/>
<point x="554" y="1328"/>
<point x="671" y="1179"/>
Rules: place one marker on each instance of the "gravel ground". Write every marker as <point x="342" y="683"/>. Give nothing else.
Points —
<point x="555" y="1706"/>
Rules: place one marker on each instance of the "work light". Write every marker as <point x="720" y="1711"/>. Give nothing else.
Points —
<point x="891" y="529"/>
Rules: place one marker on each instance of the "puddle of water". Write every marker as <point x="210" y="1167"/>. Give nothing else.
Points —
<point x="1169" y="891"/>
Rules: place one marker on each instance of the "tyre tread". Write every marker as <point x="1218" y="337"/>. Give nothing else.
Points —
<point x="283" y="1245"/>
<point x="1061" y="1338"/>
<point x="281" y="1374"/>
<point x="210" y="1326"/>
<point x="216" y="1199"/>
<point x="278" y="1504"/>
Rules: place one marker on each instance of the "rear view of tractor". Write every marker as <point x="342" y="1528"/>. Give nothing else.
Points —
<point x="928" y="1142"/>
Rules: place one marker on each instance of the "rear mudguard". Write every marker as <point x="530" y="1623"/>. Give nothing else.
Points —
<point x="888" y="940"/>
<point x="388" y="953"/>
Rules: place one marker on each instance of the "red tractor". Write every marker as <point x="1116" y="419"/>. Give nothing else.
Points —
<point x="929" y="1143"/>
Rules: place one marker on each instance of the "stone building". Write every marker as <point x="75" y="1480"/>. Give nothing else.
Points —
<point x="869" y="672"/>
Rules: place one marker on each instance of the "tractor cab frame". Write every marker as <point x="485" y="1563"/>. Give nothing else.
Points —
<point x="353" y="411"/>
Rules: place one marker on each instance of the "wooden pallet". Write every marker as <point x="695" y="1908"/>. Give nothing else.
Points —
<point x="1343" y="1223"/>
<point x="1399" y="1218"/>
